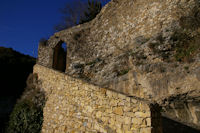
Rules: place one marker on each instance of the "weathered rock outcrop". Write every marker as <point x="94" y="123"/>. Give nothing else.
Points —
<point x="147" y="49"/>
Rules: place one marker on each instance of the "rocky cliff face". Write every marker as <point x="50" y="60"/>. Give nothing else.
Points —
<point x="148" y="49"/>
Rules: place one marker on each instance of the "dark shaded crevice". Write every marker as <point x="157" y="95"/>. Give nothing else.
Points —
<point x="172" y="126"/>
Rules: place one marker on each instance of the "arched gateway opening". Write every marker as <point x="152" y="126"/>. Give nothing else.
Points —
<point x="59" y="56"/>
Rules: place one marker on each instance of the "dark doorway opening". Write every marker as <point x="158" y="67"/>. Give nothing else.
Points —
<point x="59" y="57"/>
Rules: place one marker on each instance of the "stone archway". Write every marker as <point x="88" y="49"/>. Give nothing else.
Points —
<point x="59" y="56"/>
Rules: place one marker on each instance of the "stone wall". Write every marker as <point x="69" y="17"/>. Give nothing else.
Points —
<point x="131" y="47"/>
<point x="147" y="49"/>
<point x="44" y="55"/>
<point x="186" y="112"/>
<point x="76" y="106"/>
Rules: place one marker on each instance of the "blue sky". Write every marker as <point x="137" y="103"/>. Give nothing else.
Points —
<point x="24" y="22"/>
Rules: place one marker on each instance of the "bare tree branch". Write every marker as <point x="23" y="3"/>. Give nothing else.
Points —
<point x="79" y="12"/>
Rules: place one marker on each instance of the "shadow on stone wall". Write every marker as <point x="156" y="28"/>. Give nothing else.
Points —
<point x="171" y="126"/>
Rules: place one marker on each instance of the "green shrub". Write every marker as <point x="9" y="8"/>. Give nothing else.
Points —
<point x="25" y="118"/>
<point x="186" y="51"/>
<point x="122" y="72"/>
<point x="186" y="44"/>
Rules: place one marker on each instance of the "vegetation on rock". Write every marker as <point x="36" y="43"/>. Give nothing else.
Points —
<point x="27" y="115"/>
<point x="25" y="118"/>
<point x="14" y="69"/>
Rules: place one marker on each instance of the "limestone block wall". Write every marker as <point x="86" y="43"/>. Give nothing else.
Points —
<point x="76" y="106"/>
<point x="45" y="55"/>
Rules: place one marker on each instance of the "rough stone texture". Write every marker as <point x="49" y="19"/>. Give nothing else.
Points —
<point x="136" y="48"/>
<point x="75" y="106"/>
<point x="184" y="110"/>
<point x="147" y="49"/>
